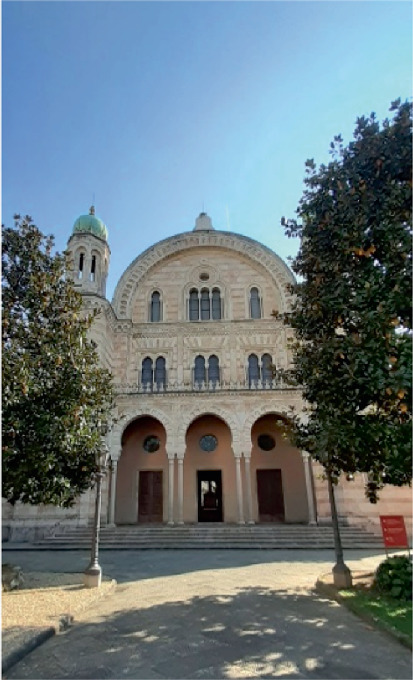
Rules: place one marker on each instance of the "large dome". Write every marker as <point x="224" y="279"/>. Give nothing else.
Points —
<point x="90" y="224"/>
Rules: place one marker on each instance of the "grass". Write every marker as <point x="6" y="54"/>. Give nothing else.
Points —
<point x="392" y="615"/>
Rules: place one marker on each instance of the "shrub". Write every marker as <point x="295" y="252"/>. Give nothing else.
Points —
<point x="394" y="577"/>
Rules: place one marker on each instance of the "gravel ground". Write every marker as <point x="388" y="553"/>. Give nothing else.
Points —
<point x="46" y="600"/>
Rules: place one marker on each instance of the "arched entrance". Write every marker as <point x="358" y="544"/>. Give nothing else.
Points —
<point x="209" y="493"/>
<point x="141" y="490"/>
<point x="277" y="473"/>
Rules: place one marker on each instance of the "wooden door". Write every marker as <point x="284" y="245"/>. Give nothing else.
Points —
<point x="150" y="497"/>
<point x="209" y="496"/>
<point x="270" y="496"/>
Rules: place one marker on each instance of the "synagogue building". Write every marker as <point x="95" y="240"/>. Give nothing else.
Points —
<point x="198" y="361"/>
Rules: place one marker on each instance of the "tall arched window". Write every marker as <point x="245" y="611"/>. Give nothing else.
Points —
<point x="147" y="372"/>
<point x="213" y="370"/>
<point x="205" y="311"/>
<point x="81" y="266"/>
<point x="156" y="306"/>
<point x="93" y="268"/>
<point x="193" y="305"/>
<point x="253" y="369"/>
<point x="255" y="304"/>
<point x="199" y="372"/>
<point x="216" y="303"/>
<point x="160" y="372"/>
<point x="266" y="368"/>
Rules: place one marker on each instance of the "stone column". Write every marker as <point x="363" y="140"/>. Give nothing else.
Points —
<point x="180" y="490"/>
<point x="113" y="478"/>
<point x="309" y="487"/>
<point x="171" y="460"/>
<point x="239" y="490"/>
<point x="250" y="517"/>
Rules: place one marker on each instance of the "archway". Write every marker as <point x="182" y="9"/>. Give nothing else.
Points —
<point x="209" y="472"/>
<point x="277" y="473"/>
<point x="141" y="489"/>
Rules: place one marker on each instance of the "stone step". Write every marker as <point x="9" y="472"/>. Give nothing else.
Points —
<point x="212" y="537"/>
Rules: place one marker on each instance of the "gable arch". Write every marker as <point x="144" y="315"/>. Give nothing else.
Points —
<point x="249" y="248"/>
<point x="259" y="412"/>
<point x="198" y="412"/>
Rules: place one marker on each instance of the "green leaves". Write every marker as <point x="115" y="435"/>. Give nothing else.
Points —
<point x="352" y="315"/>
<point x="54" y="391"/>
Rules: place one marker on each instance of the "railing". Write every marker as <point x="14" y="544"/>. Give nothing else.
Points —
<point x="277" y="383"/>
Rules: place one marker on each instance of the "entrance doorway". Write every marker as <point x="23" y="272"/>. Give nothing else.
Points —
<point x="150" y="497"/>
<point x="209" y="496"/>
<point x="270" y="496"/>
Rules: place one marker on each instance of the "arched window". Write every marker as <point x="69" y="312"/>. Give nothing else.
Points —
<point x="253" y="369"/>
<point x="266" y="368"/>
<point x="193" y="305"/>
<point x="81" y="265"/>
<point x="205" y="311"/>
<point x="147" y="372"/>
<point x="160" y="372"/>
<point x="213" y="370"/>
<point x="93" y="268"/>
<point x="216" y="303"/>
<point x="199" y="372"/>
<point x="156" y="306"/>
<point x="255" y="304"/>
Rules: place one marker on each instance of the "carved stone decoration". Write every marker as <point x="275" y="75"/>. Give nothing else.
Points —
<point x="244" y="245"/>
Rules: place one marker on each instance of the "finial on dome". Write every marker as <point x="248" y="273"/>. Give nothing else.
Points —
<point x="92" y="210"/>
<point x="203" y="223"/>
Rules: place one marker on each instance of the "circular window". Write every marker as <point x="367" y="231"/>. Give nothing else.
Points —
<point x="204" y="276"/>
<point x="208" y="442"/>
<point x="266" y="442"/>
<point x="151" y="444"/>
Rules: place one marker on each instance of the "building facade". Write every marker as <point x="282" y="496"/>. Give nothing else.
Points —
<point x="197" y="359"/>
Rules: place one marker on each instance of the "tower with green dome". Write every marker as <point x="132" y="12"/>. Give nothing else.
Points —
<point x="90" y="253"/>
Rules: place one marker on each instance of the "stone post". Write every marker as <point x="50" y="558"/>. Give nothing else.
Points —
<point x="250" y="517"/>
<point x="171" y="460"/>
<point x="180" y="490"/>
<point x="240" y="499"/>
<point x="309" y="488"/>
<point x="113" y="479"/>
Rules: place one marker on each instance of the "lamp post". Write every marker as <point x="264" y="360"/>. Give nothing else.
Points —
<point x="93" y="573"/>
<point x="341" y="573"/>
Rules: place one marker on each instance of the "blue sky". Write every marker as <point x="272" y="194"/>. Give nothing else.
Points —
<point x="163" y="109"/>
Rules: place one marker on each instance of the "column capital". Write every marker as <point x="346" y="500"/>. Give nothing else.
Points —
<point x="305" y="455"/>
<point x="115" y="456"/>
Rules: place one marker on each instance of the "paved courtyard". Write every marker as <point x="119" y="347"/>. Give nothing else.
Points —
<point x="213" y="614"/>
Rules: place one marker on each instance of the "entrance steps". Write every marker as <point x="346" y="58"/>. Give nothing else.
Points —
<point x="212" y="536"/>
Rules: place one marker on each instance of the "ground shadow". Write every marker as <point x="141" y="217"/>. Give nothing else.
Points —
<point x="254" y="632"/>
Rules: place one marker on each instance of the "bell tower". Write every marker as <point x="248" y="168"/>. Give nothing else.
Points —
<point x="90" y="253"/>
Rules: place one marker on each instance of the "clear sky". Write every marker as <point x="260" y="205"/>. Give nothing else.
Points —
<point x="162" y="109"/>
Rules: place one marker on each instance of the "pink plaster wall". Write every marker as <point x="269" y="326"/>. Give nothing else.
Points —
<point x="132" y="460"/>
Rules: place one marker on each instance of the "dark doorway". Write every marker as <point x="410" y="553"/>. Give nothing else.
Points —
<point x="270" y="496"/>
<point x="209" y="496"/>
<point x="150" y="497"/>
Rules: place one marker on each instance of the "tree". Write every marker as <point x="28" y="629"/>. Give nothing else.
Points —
<point x="352" y="312"/>
<point x="56" y="398"/>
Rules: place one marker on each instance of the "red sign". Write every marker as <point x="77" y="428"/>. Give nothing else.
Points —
<point x="394" y="531"/>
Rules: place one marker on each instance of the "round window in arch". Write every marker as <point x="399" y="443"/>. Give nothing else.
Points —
<point x="266" y="442"/>
<point x="208" y="443"/>
<point x="151" y="444"/>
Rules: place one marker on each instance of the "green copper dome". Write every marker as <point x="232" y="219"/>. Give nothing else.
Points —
<point x="90" y="224"/>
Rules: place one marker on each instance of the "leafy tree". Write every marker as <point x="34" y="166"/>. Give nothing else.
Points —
<point x="352" y="312"/>
<point x="56" y="398"/>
